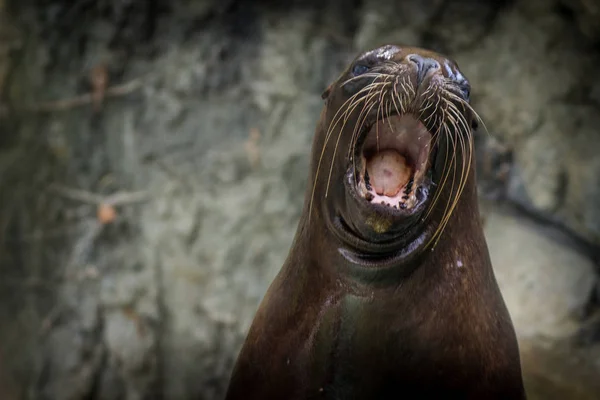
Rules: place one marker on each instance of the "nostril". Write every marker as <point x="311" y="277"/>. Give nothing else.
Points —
<point x="424" y="64"/>
<point x="415" y="58"/>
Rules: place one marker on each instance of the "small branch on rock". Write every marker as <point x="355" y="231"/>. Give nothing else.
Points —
<point x="77" y="194"/>
<point x="106" y="212"/>
<point x="88" y="98"/>
<point x="115" y="199"/>
<point x="123" y="198"/>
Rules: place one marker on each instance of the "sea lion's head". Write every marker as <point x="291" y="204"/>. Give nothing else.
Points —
<point x="393" y="150"/>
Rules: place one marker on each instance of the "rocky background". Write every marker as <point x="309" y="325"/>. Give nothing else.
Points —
<point x="153" y="157"/>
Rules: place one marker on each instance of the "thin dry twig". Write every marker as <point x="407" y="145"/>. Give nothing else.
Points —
<point x="123" y="198"/>
<point x="88" y="98"/>
<point x="115" y="199"/>
<point x="105" y="212"/>
<point x="77" y="194"/>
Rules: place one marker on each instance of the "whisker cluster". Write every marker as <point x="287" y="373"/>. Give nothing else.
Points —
<point x="438" y="106"/>
<point x="451" y="123"/>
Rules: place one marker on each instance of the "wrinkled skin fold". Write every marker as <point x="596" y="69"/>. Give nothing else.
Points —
<point x="388" y="289"/>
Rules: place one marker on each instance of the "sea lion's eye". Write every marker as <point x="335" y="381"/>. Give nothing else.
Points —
<point x="359" y="69"/>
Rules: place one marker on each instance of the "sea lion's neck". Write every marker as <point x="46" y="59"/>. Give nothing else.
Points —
<point x="316" y="235"/>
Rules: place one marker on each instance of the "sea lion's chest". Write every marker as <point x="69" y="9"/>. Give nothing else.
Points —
<point x="367" y="346"/>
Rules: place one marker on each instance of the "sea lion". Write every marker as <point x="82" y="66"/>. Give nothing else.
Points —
<point x="388" y="289"/>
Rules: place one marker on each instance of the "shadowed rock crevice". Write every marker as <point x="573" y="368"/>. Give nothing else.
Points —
<point x="460" y="26"/>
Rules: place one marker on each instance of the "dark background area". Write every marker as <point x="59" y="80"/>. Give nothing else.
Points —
<point x="153" y="160"/>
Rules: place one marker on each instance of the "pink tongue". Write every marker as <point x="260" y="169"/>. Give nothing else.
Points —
<point x="388" y="172"/>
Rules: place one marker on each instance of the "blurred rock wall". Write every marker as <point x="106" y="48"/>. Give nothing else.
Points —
<point x="153" y="157"/>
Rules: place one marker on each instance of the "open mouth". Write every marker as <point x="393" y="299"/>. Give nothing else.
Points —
<point x="395" y="164"/>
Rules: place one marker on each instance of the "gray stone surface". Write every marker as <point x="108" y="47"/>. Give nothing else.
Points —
<point x="550" y="123"/>
<point x="546" y="282"/>
<point x="542" y="278"/>
<point x="217" y="132"/>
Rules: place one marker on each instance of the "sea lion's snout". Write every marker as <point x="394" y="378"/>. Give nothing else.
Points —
<point x="397" y="135"/>
<point x="424" y="65"/>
